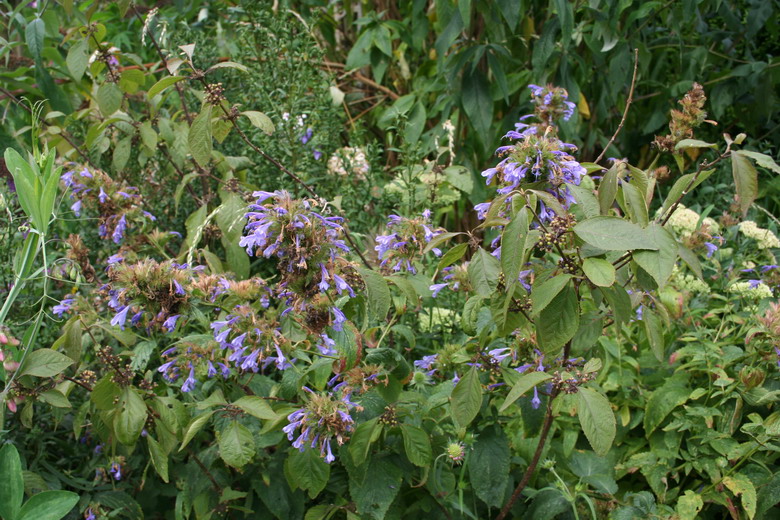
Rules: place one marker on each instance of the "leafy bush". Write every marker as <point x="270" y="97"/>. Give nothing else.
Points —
<point x="229" y="294"/>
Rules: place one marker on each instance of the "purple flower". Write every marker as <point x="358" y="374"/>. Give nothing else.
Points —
<point x="765" y="268"/>
<point x="329" y="457"/>
<point x="116" y="471"/>
<point x="170" y="323"/>
<point x="179" y="288"/>
<point x="120" y="317"/>
<point x="317" y="154"/>
<point x="114" y="259"/>
<point x="306" y="137"/>
<point x="754" y="283"/>
<point x="189" y="383"/>
<point x="76" y="207"/>
<point x="212" y="371"/>
<point x="339" y="319"/>
<point x="102" y="197"/>
<point x="711" y="248"/>
<point x="436" y="288"/>
<point x="90" y="514"/>
<point x="535" y="402"/>
<point x="64" y="306"/>
<point x="119" y="230"/>
<point x="341" y="285"/>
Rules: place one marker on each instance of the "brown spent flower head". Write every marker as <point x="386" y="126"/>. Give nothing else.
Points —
<point x="684" y="121"/>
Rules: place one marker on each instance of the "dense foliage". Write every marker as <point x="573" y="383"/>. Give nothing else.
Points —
<point x="390" y="259"/>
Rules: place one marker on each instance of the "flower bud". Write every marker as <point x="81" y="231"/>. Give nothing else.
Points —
<point x="10" y="365"/>
<point x="456" y="451"/>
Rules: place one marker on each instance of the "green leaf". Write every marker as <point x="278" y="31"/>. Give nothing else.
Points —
<point x="466" y="398"/>
<point x="543" y="294"/>
<point x="468" y="319"/>
<point x="608" y="190"/>
<point x="55" y="398"/>
<point x="477" y="103"/>
<point x="48" y="505"/>
<point x="236" y="444"/>
<point x="256" y="407"/>
<point x="162" y="85"/>
<point x="121" y="154"/>
<point x="148" y="135"/>
<point x="159" y="458"/>
<point x="489" y="466"/>
<point x="689" y="505"/>
<point x="586" y="200"/>
<point x="559" y="321"/>
<point x="662" y="401"/>
<point x="523" y="384"/>
<point x="679" y="188"/>
<point x="362" y="438"/>
<point x="655" y="333"/>
<point x="377" y="293"/>
<point x="228" y="65"/>
<point x="45" y="362"/>
<point x="130" y="417"/>
<point x="34" y="34"/>
<point x="438" y="240"/>
<point x="741" y="486"/>
<point x="762" y="160"/>
<point x="104" y="392"/>
<point x="200" y="137"/>
<point x="260" y="120"/>
<point x="109" y="99"/>
<point x="597" y="419"/>
<point x="78" y="58"/>
<point x="194" y="427"/>
<point x="659" y="264"/>
<point x="417" y="444"/>
<point x="460" y="177"/>
<point x="70" y="341"/>
<point x="374" y="490"/>
<point x="452" y="256"/>
<point x="636" y="204"/>
<point x="745" y="180"/>
<point x="599" y="271"/>
<point x="11" y="483"/>
<point x="614" y="234"/>
<point x="693" y="143"/>
<point x="307" y="470"/>
<point x="483" y="272"/>
<point x="514" y="244"/>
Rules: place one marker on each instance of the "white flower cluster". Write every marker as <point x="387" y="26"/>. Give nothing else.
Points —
<point x="751" y="289"/>
<point x="349" y="161"/>
<point x="439" y="316"/>
<point x="765" y="238"/>
<point x="685" y="222"/>
<point x="689" y="282"/>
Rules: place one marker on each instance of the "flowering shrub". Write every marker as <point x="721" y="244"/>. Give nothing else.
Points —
<point x="579" y="343"/>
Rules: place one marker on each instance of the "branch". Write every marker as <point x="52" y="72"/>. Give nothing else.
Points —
<point x="625" y="112"/>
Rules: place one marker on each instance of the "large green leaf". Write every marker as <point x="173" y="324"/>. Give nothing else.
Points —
<point x="477" y="102"/>
<point x="745" y="180"/>
<point x="77" y="60"/>
<point x="662" y="401"/>
<point x="308" y="471"/>
<point x="614" y="234"/>
<point x="236" y="444"/>
<point x="11" y="483"/>
<point x="599" y="271"/>
<point x="559" y="321"/>
<point x="417" y="445"/>
<point x="523" y="384"/>
<point x="256" y="407"/>
<point x="489" y="466"/>
<point x="375" y="489"/>
<point x="483" y="272"/>
<point x="199" y="138"/>
<point x="109" y="98"/>
<point x="544" y="293"/>
<point x="130" y="417"/>
<point x="48" y="505"/>
<point x="377" y="293"/>
<point x="514" y="244"/>
<point x="467" y="398"/>
<point x="159" y="458"/>
<point x="45" y="362"/>
<point x="597" y="419"/>
<point x="659" y="264"/>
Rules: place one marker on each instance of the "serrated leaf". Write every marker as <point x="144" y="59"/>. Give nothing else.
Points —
<point x="48" y="505"/>
<point x="130" y="417"/>
<point x="659" y="264"/>
<point x="34" y="34"/>
<point x="483" y="272"/>
<point x="597" y="419"/>
<point x="762" y="160"/>
<point x="489" y="469"/>
<point x="159" y="458"/>
<point x="109" y="98"/>
<point x="308" y="471"/>
<point x="515" y="241"/>
<point x="741" y="486"/>
<point x="228" y="65"/>
<point x="559" y="321"/>
<point x="661" y="403"/>
<point x="11" y="483"/>
<point x="236" y="445"/>
<point x="199" y="138"/>
<point x="693" y="143"/>
<point x="377" y="293"/>
<point x="614" y="234"/>
<point x="544" y="293"/>
<point x="452" y="256"/>
<point x="78" y="58"/>
<point x="417" y="445"/>
<point x="466" y="398"/>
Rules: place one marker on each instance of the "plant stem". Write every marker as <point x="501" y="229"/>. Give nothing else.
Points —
<point x="625" y="112"/>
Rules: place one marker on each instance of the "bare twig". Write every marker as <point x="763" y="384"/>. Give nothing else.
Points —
<point x="625" y="112"/>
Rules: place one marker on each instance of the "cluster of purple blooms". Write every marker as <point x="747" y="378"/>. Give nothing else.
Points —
<point x="64" y="306"/>
<point x="406" y="242"/>
<point x="114" y="203"/>
<point x="551" y="103"/>
<point x="323" y="419"/>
